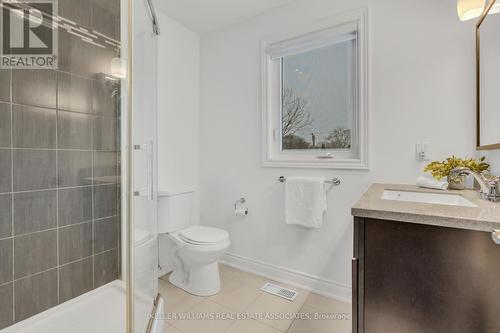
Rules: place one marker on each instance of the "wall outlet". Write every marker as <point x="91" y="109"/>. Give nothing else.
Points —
<point x="422" y="151"/>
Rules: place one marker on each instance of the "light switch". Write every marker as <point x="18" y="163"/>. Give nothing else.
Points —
<point x="422" y="151"/>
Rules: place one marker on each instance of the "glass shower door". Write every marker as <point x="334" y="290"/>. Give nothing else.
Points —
<point x="144" y="185"/>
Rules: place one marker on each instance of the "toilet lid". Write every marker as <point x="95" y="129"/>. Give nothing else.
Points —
<point x="203" y="235"/>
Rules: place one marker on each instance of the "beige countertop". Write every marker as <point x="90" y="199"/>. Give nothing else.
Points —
<point x="484" y="217"/>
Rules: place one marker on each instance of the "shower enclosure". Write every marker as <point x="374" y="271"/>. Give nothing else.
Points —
<point x="78" y="238"/>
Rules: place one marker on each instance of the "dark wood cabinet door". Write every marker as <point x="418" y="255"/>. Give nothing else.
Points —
<point x="427" y="279"/>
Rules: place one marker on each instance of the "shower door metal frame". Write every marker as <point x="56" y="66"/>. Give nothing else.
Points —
<point x="129" y="174"/>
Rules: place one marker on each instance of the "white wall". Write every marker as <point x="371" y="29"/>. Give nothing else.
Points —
<point x="178" y="112"/>
<point x="178" y="106"/>
<point x="493" y="157"/>
<point x="422" y="89"/>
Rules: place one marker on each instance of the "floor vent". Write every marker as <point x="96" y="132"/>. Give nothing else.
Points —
<point x="279" y="291"/>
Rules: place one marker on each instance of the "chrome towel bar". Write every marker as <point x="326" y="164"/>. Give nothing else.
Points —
<point x="334" y="181"/>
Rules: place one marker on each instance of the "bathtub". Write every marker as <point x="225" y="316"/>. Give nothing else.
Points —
<point x="101" y="310"/>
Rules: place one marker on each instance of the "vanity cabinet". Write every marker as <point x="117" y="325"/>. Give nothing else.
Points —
<point x="418" y="278"/>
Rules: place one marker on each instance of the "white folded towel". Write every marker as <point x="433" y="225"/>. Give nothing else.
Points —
<point x="305" y="201"/>
<point x="431" y="183"/>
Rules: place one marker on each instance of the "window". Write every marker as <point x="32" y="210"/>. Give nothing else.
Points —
<point x="315" y="96"/>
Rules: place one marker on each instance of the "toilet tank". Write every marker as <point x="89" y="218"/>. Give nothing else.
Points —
<point x="174" y="210"/>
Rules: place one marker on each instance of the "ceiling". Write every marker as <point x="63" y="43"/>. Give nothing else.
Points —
<point x="204" y="16"/>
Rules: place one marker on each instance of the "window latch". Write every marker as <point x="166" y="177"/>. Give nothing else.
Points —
<point x="326" y="156"/>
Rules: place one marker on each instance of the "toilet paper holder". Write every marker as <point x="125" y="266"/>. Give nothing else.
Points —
<point x="240" y="201"/>
<point x="240" y="211"/>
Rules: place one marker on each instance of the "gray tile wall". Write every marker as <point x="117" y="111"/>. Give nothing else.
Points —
<point x="59" y="158"/>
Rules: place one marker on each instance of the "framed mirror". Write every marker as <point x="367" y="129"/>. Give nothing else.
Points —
<point x="488" y="79"/>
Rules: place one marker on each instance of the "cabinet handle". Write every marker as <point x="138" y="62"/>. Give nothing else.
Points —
<point x="496" y="236"/>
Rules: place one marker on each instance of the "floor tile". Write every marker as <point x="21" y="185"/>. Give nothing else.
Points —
<point x="227" y="273"/>
<point x="171" y="329"/>
<point x="327" y="304"/>
<point x="269" y="304"/>
<point x="177" y="301"/>
<point x="206" y="317"/>
<point x="238" y="293"/>
<point x="251" y="326"/>
<point x="328" y="325"/>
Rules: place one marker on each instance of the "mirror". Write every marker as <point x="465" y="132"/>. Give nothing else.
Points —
<point x="488" y="80"/>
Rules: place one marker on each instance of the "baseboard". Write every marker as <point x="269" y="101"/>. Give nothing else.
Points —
<point x="327" y="288"/>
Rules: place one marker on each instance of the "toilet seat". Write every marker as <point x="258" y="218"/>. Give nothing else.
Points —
<point x="202" y="236"/>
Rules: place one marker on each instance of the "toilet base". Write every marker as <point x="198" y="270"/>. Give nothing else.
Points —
<point x="202" y="280"/>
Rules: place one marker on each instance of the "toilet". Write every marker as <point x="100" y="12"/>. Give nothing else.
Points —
<point x="194" y="250"/>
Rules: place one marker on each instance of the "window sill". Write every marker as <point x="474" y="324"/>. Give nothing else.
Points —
<point x="347" y="164"/>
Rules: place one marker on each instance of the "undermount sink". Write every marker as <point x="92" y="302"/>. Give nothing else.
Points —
<point x="430" y="198"/>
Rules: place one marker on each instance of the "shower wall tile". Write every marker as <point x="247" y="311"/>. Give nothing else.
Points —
<point x="105" y="201"/>
<point x="5" y="215"/>
<point x="74" y="168"/>
<point x="6" y="261"/>
<point x="35" y="294"/>
<point x="103" y="19"/>
<point x="33" y="127"/>
<point x="105" y="234"/>
<point x="75" y="55"/>
<point x="35" y="253"/>
<point x="5" y="170"/>
<point x="77" y="11"/>
<point x="105" y="268"/>
<point x="5" y="85"/>
<point x="105" y="133"/>
<point x="34" y="169"/>
<point x="5" y="125"/>
<point x="105" y="167"/>
<point x="75" y="205"/>
<point x="6" y="305"/>
<point x="59" y="159"/>
<point x="75" y="279"/>
<point x="74" y="93"/>
<point x="74" y="130"/>
<point x="75" y="242"/>
<point x="105" y="95"/>
<point x="35" y="211"/>
<point x="34" y="87"/>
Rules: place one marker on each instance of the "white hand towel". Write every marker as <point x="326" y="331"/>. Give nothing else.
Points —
<point x="305" y="201"/>
<point x="431" y="183"/>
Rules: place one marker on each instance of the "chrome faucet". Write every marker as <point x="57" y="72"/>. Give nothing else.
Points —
<point x="489" y="184"/>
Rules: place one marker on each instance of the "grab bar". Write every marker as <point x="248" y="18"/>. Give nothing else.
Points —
<point x="334" y="181"/>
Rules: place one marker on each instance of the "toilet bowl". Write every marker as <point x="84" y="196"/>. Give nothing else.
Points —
<point x="191" y="251"/>
<point x="195" y="254"/>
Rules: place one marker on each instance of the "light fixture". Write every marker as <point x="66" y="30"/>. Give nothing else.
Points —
<point x="471" y="9"/>
<point x="118" y="68"/>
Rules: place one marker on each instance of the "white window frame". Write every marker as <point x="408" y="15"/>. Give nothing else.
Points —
<point x="272" y="154"/>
